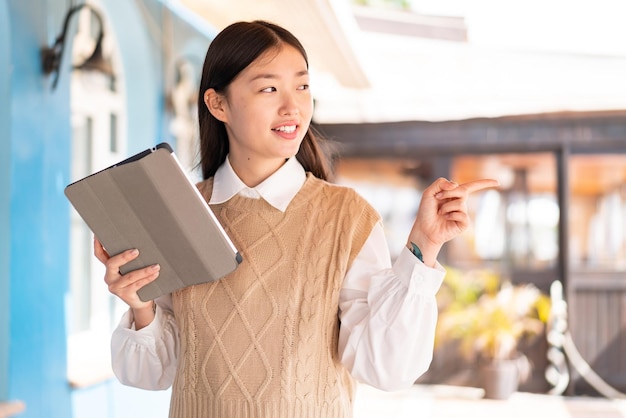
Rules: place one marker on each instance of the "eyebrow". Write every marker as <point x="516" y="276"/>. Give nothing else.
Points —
<point x="269" y="76"/>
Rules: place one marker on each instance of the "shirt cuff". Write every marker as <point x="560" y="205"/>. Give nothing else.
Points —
<point x="149" y="333"/>
<point x="418" y="277"/>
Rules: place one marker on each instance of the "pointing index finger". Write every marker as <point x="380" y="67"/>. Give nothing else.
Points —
<point x="476" y="185"/>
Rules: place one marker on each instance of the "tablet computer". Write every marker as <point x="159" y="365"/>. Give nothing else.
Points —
<point x="148" y="202"/>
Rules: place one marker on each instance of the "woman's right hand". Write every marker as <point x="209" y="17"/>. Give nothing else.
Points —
<point x="125" y="286"/>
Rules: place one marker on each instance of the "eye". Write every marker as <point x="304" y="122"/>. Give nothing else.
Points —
<point x="268" y="90"/>
<point x="303" y="87"/>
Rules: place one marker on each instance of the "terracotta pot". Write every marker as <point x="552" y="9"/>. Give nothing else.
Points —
<point x="499" y="378"/>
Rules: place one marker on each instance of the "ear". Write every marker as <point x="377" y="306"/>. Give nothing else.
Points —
<point x="215" y="102"/>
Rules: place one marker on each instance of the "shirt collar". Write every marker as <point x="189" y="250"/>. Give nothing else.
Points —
<point x="278" y="189"/>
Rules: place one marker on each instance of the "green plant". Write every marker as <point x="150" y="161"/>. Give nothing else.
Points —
<point x="489" y="317"/>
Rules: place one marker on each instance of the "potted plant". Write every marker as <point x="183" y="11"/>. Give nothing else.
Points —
<point x="490" y="318"/>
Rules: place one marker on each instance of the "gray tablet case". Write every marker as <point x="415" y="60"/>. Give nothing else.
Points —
<point x="147" y="202"/>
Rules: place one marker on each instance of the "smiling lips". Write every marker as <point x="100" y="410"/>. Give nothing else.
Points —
<point x="286" y="131"/>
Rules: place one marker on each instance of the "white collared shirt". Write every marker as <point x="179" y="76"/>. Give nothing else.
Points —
<point x="278" y="189"/>
<point x="388" y="313"/>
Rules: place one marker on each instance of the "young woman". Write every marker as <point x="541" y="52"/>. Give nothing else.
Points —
<point x="316" y="304"/>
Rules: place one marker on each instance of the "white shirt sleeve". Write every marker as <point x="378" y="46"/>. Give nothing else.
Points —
<point x="147" y="358"/>
<point x="388" y="315"/>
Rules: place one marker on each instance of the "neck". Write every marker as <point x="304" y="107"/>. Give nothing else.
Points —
<point x="254" y="173"/>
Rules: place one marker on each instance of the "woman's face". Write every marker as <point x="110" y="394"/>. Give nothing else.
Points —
<point x="268" y="109"/>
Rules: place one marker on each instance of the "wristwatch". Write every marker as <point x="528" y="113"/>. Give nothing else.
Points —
<point x="417" y="252"/>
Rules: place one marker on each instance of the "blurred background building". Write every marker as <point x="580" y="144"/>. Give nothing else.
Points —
<point x="531" y="93"/>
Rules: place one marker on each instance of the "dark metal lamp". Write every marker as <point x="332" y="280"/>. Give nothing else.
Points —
<point x="51" y="56"/>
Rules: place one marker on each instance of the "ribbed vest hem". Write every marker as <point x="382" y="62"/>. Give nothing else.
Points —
<point x="190" y="405"/>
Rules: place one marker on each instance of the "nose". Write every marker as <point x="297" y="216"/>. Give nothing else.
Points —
<point x="289" y="104"/>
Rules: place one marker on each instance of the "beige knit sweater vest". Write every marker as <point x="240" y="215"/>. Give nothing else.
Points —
<point x="262" y="342"/>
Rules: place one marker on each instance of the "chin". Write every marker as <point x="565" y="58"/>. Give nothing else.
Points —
<point x="288" y="153"/>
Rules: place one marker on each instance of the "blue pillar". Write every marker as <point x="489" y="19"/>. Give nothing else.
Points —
<point x="38" y="228"/>
<point x="5" y="172"/>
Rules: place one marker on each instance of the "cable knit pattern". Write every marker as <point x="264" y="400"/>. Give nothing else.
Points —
<point x="262" y="342"/>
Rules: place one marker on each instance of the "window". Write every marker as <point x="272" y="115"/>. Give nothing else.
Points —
<point x="516" y="225"/>
<point x="597" y="219"/>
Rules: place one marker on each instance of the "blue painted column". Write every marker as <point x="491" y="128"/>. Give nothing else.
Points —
<point x="39" y="216"/>
<point x="5" y="172"/>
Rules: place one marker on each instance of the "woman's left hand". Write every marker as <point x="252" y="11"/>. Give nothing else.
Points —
<point x="442" y="214"/>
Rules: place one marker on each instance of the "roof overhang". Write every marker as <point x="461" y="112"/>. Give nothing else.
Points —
<point x="324" y="27"/>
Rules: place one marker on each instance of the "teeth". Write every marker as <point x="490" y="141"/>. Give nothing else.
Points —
<point x="288" y="129"/>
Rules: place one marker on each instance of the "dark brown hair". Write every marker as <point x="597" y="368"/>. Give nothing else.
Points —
<point x="232" y="50"/>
